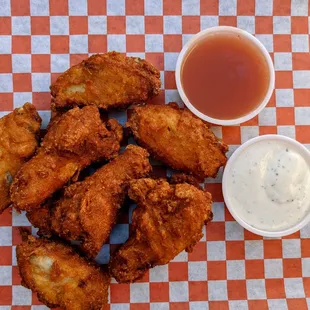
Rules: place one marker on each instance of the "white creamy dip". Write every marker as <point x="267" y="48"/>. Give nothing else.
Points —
<point x="268" y="185"/>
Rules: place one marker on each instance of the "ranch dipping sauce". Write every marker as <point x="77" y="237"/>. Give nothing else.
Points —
<point x="268" y="185"/>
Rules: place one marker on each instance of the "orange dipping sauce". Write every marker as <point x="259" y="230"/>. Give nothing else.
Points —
<point x="225" y="76"/>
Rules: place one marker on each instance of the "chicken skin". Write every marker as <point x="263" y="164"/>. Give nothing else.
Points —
<point x="178" y="138"/>
<point x="73" y="142"/>
<point x="60" y="277"/>
<point x="88" y="210"/>
<point x="18" y="142"/>
<point x="168" y="219"/>
<point x="107" y="81"/>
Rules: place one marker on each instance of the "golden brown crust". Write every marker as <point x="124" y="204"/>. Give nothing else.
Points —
<point x="41" y="218"/>
<point x="60" y="277"/>
<point x="107" y="81"/>
<point x="18" y="142"/>
<point x="168" y="219"/>
<point x="178" y="138"/>
<point x="74" y="141"/>
<point x="89" y="209"/>
<point x="184" y="178"/>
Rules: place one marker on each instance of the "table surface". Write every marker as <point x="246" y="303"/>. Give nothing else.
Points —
<point x="229" y="268"/>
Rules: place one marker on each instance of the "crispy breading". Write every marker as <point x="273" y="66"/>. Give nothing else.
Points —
<point x="178" y="138"/>
<point x="41" y="218"/>
<point x="18" y="142"/>
<point x="184" y="178"/>
<point x="88" y="209"/>
<point x="60" y="277"/>
<point x="168" y="219"/>
<point x="73" y="142"/>
<point x="108" y="80"/>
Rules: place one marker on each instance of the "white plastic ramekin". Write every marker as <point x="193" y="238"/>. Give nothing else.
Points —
<point x="230" y="165"/>
<point x="200" y="36"/>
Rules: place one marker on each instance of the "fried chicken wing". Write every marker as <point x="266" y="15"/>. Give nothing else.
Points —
<point x="107" y="81"/>
<point x="167" y="220"/>
<point x="88" y="209"/>
<point x="18" y="142"/>
<point x="73" y="142"/>
<point x="60" y="277"/>
<point x="41" y="218"/>
<point x="178" y="138"/>
<point x="184" y="178"/>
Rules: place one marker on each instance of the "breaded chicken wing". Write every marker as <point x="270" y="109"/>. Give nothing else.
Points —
<point x="41" y="218"/>
<point x="18" y="142"/>
<point x="73" y="142"/>
<point x="178" y="138"/>
<point x="107" y="81"/>
<point x="168" y="219"/>
<point x="184" y="178"/>
<point x="60" y="277"/>
<point x="89" y="209"/>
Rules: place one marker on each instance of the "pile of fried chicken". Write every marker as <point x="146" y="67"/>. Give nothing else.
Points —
<point x="44" y="179"/>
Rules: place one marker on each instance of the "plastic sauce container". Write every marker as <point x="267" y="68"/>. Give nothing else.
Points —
<point x="225" y="75"/>
<point x="266" y="185"/>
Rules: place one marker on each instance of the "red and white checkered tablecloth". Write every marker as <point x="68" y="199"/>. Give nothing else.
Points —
<point x="230" y="268"/>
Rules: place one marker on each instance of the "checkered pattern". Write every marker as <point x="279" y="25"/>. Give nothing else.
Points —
<point x="230" y="268"/>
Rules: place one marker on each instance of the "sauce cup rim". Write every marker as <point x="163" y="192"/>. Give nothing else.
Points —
<point x="188" y="46"/>
<point x="280" y="233"/>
